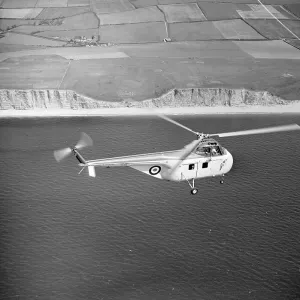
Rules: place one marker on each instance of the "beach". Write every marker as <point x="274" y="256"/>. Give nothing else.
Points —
<point x="122" y="112"/>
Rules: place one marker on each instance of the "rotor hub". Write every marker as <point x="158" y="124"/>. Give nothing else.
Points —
<point x="202" y="136"/>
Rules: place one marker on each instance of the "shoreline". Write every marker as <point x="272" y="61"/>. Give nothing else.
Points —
<point x="131" y="111"/>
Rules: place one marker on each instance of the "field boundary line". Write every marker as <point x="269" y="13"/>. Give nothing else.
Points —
<point x="67" y="69"/>
<point x="289" y="12"/>
<point x="278" y="20"/>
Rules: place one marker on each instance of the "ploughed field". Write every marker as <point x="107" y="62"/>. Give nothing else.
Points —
<point x="125" y="50"/>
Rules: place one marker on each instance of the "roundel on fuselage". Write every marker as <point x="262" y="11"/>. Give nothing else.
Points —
<point x="154" y="170"/>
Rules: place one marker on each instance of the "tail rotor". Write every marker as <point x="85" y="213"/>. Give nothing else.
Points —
<point x="61" y="154"/>
<point x="84" y="141"/>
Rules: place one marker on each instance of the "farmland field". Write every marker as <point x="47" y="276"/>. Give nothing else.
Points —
<point x="237" y="29"/>
<point x="195" y="31"/>
<point x="141" y="15"/>
<point x="133" y="33"/>
<point x="61" y="12"/>
<point x="271" y="29"/>
<point x="182" y="12"/>
<point x="20" y="13"/>
<point x="52" y="3"/>
<point x="146" y="47"/>
<point x="24" y="39"/>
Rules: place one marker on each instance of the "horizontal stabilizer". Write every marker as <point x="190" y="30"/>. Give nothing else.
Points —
<point x="92" y="172"/>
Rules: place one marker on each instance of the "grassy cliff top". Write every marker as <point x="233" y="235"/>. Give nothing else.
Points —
<point x="132" y="50"/>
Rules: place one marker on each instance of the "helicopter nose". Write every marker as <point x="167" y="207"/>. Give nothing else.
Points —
<point x="229" y="161"/>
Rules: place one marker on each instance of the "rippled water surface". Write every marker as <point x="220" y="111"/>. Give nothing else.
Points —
<point x="125" y="235"/>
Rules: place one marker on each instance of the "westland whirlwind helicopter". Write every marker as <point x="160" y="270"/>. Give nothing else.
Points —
<point x="203" y="157"/>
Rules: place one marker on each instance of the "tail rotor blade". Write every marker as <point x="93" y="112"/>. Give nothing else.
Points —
<point x="59" y="155"/>
<point x="84" y="141"/>
<point x="259" y="130"/>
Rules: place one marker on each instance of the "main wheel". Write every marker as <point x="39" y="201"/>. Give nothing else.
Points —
<point x="194" y="191"/>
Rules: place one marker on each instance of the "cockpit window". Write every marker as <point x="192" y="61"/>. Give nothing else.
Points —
<point x="208" y="150"/>
<point x="215" y="150"/>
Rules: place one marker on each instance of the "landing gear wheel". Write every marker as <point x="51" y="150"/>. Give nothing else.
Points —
<point x="194" y="191"/>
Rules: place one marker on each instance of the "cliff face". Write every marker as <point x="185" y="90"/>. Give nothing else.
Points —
<point x="65" y="99"/>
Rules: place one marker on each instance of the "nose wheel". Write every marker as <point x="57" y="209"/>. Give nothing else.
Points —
<point x="194" y="191"/>
<point x="222" y="179"/>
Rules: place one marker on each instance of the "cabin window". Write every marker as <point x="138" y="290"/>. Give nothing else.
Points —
<point x="205" y="165"/>
<point x="191" y="166"/>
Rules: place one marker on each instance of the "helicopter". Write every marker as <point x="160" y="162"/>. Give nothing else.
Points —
<point x="203" y="157"/>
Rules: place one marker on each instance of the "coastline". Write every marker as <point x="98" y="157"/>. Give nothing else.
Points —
<point x="293" y="108"/>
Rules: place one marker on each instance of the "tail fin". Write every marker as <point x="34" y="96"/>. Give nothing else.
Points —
<point x="92" y="172"/>
<point x="83" y="163"/>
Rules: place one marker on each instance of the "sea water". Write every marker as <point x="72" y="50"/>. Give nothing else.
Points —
<point x="126" y="235"/>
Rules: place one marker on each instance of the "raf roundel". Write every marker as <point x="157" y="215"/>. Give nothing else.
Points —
<point x="154" y="170"/>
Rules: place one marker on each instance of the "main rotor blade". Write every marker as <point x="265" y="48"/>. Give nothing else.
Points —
<point x="84" y="141"/>
<point x="188" y="149"/>
<point x="62" y="153"/>
<point x="259" y="130"/>
<point x="176" y="123"/>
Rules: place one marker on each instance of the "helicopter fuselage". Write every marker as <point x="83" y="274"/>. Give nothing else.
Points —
<point x="192" y="168"/>
<point x="209" y="159"/>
